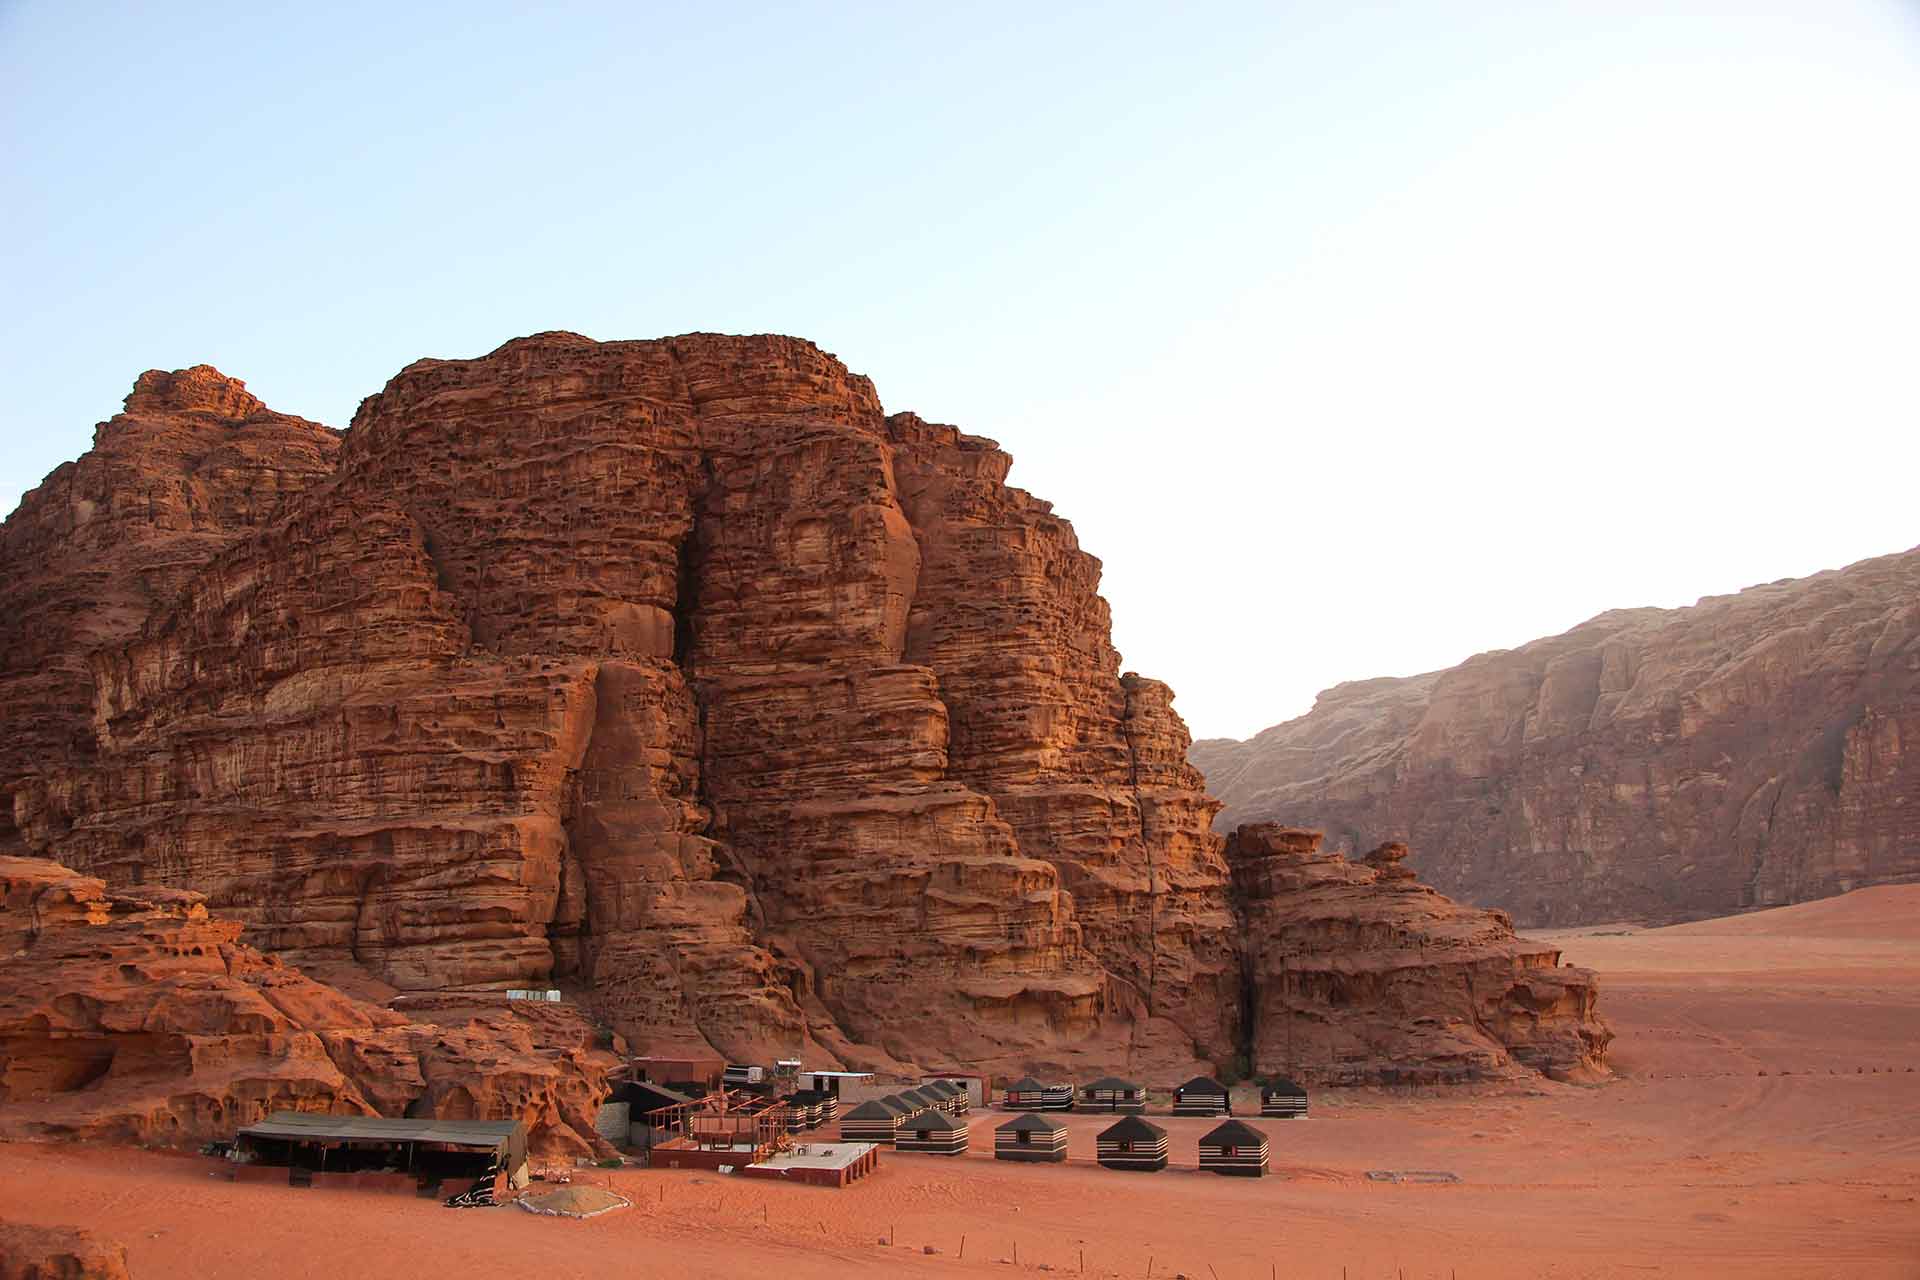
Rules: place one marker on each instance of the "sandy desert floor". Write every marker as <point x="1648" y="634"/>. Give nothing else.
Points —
<point x="1765" y="1123"/>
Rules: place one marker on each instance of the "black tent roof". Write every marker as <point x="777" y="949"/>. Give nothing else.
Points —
<point x="946" y="1088"/>
<point x="1113" y="1082"/>
<point x="1026" y="1084"/>
<point x="1202" y="1084"/>
<point x="1133" y="1129"/>
<point x="1032" y="1122"/>
<point x="309" y="1126"/>
<point x="935" y="1121"/>
<point x="873" y="1109"/>
<point x="896" y="1103"/>
<point x="1280" y="1086"/>
<point x="920" y="1097"/>
<point x="1232" y="1133"/>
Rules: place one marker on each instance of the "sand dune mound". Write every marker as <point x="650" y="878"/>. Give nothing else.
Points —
<point x="1888" y="911"/>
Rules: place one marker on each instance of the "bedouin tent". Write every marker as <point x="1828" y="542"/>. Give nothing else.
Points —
<point x="935" y="1133"/>
<point x="1113" y="1094"/>
<point x="1201" y="1096"/>
<point x="1282" y="1099"/>
<point x="1132" y="1143"/>
<point x="1031" y="1138"/>
<point x="1234" y="1147"/>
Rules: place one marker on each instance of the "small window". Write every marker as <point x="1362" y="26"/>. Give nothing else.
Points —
<point x="1232" y="1151"/>
<point x="1126" y="1147"/>
<point x="1024" y="1138"/>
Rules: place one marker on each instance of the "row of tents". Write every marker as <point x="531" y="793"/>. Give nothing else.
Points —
<point x="882" y="1120"/>
<point x="1130" y="1143"/>
<point x="1200" y="1096"/>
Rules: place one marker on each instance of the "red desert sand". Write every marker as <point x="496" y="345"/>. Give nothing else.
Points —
<point x="1766" y="1123"/>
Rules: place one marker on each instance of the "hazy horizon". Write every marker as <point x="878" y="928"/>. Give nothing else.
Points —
<point x="1352" y="344"/>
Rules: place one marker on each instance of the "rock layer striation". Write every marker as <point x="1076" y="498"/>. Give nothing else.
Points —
<point x="1357" y="972"/>
<point x="678" y="674"/>
<point x="135" y="1015"/>
<point x="1753" y="750"/>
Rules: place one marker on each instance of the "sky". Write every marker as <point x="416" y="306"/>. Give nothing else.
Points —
<point x="1353" y="338"/>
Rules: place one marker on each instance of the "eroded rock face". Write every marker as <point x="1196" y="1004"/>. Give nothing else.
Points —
<point x="135" y="1015"/>
<point x="1356" y="972"/>
<point x="678" y="674"/>
<point x="193" y="463"/>
<point x="1753" y="750"/>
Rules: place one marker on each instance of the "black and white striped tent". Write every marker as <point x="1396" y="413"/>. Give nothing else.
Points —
<point x="1057" y="1097"/>
<point x="1132" y="1143"/>
<point x="1234" y="1148"/>
<point x="1201" y="1096"/>
<point x="873" y="1121"/>
<point x="921" y="1100"/>
<point x="948" y="1096"/>
<point x="934" y="1133"/>
<point x="1025" y="1094"/>
<point x="898" y="1105"/>
<point x="1034" y="1138"/>
<point x="1283" y="1099"/>
<point x="1113" y="1094"/>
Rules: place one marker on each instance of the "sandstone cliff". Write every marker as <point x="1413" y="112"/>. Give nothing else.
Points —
<point x="1752" y="750"/>
<point x="680" y="675"/>
<point x="134" y="1015"/>
<point x="1357" y="972"/>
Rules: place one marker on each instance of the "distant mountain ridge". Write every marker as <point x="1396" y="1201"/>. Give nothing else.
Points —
<point x="1753" y="749"/>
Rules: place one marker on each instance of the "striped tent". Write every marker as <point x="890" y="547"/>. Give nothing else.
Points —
<point x="898" y="1104"/>
<point x="1201" y="1096"/>
<point x="1113" y="1094"/>
<point x="948" y="1096"/>
<point x="1025" y="1094"/>
<point x="1057" y="1097"/>
<point x="1031" y="1138"/>
<point x="1283" y="1099"/>
<point x="1234" y="1148"/>
<point x="936" y="1134"/>
<point x="922" y="1100"/>
<point x="1132" y="1143"/>
<point x="873" y="1121"/>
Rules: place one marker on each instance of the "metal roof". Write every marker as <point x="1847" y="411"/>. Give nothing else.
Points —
<point x="312" y="1125"/>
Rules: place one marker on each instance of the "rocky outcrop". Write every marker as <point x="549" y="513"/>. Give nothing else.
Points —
<point x="193" y="463"/>
<point x="679" y="675"/>
<point x="135" y="1015"/>
<point x="59" y="1253"/>
<point x="1356" y="972"/>
<point x="679" y="672"/>
<point x="1752" y="750"/>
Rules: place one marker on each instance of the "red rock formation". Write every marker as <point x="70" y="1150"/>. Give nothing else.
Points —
<point x="676" y="673"/>
<point x="192" y="464"/>
<point x="1752" y="750"/>
<point x="1359" y="973"/>
<point x="59" y="1253"/>
<point x="134" y="1015"/>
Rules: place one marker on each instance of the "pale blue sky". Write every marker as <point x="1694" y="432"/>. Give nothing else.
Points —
<point x="1353" y="338"/>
